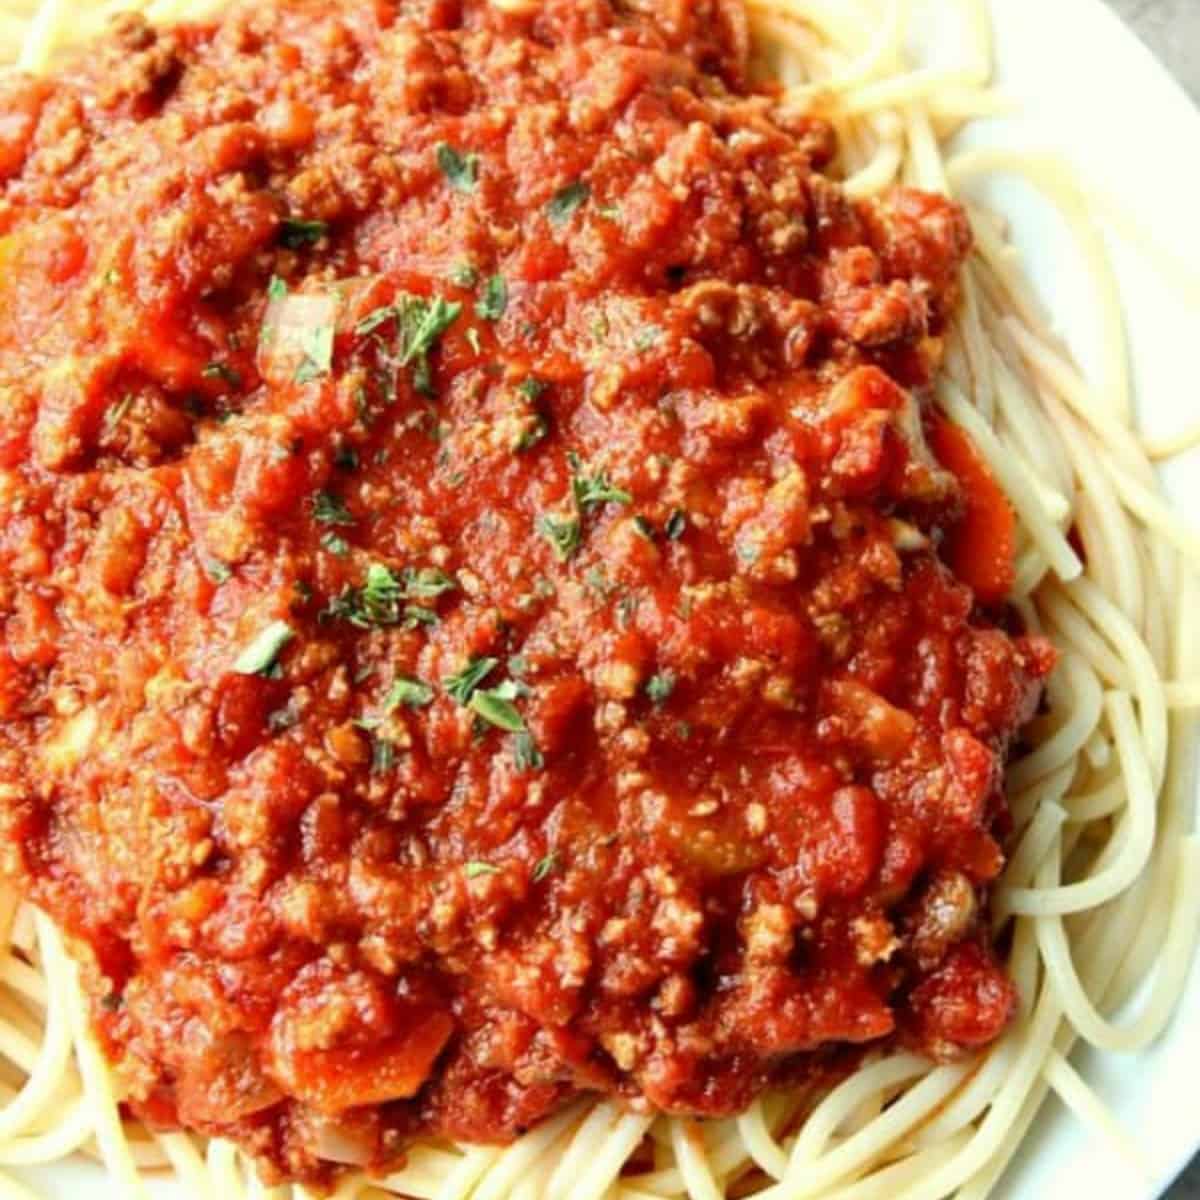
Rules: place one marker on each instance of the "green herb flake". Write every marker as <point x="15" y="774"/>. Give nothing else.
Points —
<point x="415" y="615"/>
<point x="563" y="533"/>
<point x="374" y="319"/>
<point x="590" y="491"/>
<point x="294" y="233"/>
<point x="491" y="305"/>
<point x="476" y="868"/>
<point x="660" y="686"/>
<point x="329" y="509"/>
<point x="409" y="693"/>
<point x="544" y="866"/>
<point x="496" y="708"/>
<point x="535" y="430"/>
<point x="383" y="755"/>
<point x="345" y="458"/>
<point x="462" y="685"/>
<point x="423" y="583"/>
<point x="261" y="656"/>
<point x="421" y="323"/>
<point x="224" y="372"/>
<point x="277" y="289"/>
<point x="526" y="755"/>
<point x="380" y="596"/>
<point x="335" y="544"/>
<point x="533" y="388"/>
<point x="676" y="525"/>
<point x="566" y="201"/>
<point x="644" y="528"/>
<point x="461" y="170"/>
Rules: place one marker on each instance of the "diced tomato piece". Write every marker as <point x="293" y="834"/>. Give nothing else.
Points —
<point x="981" y="548"/>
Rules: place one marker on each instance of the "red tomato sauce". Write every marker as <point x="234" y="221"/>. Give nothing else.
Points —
<point x="474" y="625"/>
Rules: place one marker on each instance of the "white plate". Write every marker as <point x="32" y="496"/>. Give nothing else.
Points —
<point x="1090" y="90"/>
<point x="1086" y="88"/>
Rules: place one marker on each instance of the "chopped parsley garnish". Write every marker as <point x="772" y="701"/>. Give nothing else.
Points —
<point x="335" y="544"/>
<point x="375" y="318"/>
<point x="544" y="866"/>
<point x="419" y="323"/>
<point x="379" y="601"/>
<point x="294" y="233"/>
<point x="536" y="430"/>
<point x="383" y="755"/>
<point x="491" y="305"/>
<point x="566" y="200"/>
<point x="532" y="387"/>
<point x="329" y="509"/>
<point x="415" y="614"/>
<point x="461" y="170"/>
<point x="276" y="289"/>
<point x="526" y="755"/>
<point x="676" y="525"/>
<point x="496" y="708"/>
<point x="224" y="372"/>
<point x="660" y="686"/>
<point x="462" y="685"/>
<point x="425" y="582"/>
<point x="563" y="533"/>
<point x="464" y="275"/>
<point x="381" y="595"/>
<point x="644" y="528"/>
<point x="411" y="693"/>
<point x="261" y="656"/>
<point x="476" y="868"/>
<point x="593" y="490"/>
<point x="217" y="571"/>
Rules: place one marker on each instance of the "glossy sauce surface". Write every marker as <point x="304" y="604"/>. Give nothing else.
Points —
<point x="481" y="614"/>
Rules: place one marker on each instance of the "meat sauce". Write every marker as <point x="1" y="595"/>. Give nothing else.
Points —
<point x="482" y="618"/>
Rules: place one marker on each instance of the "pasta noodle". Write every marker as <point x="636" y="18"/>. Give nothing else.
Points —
<point x="1103" y="885"/>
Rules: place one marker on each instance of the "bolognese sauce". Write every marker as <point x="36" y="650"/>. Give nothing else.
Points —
<point x="488" y="610"/>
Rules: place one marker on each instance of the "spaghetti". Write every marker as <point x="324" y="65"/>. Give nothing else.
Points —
<point x="1103" y="883"/>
